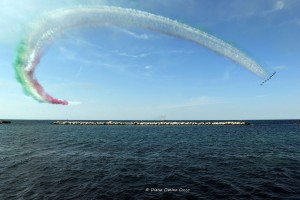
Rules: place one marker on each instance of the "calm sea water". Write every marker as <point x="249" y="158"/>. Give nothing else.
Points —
<point x="43" y="161"/>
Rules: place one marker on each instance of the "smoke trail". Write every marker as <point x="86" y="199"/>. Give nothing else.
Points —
<point x="54" y="23"/>
<point x="74" y="103"/>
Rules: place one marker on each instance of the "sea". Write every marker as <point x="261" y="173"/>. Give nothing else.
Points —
<point x="43" y="161"/>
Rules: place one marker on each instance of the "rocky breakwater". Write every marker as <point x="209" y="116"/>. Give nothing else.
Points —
<point x="5" y="122"/>
<point x="153" y="123"/>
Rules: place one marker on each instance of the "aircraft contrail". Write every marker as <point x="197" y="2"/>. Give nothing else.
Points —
<point x="53" y="24"/>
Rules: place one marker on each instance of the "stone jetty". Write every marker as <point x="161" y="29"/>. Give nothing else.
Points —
<point x="5" y="122"/>
<point x="152" y="123"/>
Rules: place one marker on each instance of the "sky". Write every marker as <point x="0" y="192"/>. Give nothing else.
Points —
<point x="122" y="73"/>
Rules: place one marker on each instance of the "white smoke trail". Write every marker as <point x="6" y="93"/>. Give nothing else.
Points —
<point x="74" y="103"/>
<point x="54" y="23"/>
<point x="60" y="20"/>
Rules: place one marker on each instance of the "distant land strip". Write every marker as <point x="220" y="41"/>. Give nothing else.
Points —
<point x="157" y="123"/>
<point x="5" y="122"/>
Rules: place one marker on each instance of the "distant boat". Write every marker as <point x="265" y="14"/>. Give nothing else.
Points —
<point x="298" y="123"/>
<point x="5" y="122"/>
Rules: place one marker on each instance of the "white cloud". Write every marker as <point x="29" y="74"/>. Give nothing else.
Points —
<point x="135" y="35"/>
<point x="142" y="55"/>
<point x="277" y="6"/>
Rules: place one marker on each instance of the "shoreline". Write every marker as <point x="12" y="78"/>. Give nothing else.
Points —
<point x="154" y="123"/>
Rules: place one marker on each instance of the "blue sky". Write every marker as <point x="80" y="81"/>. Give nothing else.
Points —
<point x="126" y="73"/>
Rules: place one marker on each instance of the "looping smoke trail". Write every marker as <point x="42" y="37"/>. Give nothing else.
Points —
<point x="43" y="32"/>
